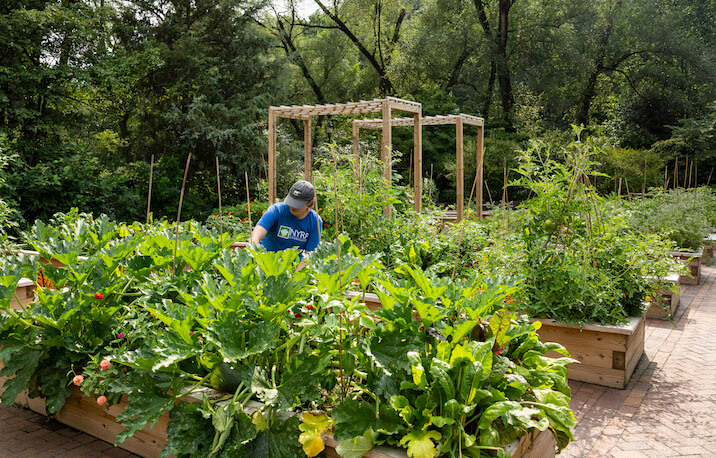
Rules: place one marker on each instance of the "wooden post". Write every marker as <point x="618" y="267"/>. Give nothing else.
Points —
<point x="149" y="196"/>
<point x="418" y="161"/>
<point x="676" y="172"/>
<point x="620" y="187"/>
<point x="691" y="171"/>
<point x="686" y="169"/>
<point x="272" y="156"/>
<point x="480" y="156"/>
<point x="666" y="176"/>
<point x="356" y="151"/>
<point x="459" y="146"/>
<point x="643" y="185"/>
<point x="307" y="161"/>
<point x="385" y="153"/>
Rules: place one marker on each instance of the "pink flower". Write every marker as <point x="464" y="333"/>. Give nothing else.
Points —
<point x="191" y="333"/>
<point x="104" y="364"/>
<point x="101" y="400"/>
<point x="120" y="335"/>
<point x="99" y="296"/>
<point x="78" y="380"/>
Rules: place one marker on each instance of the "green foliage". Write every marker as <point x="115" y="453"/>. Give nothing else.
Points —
<point x="683" y="216"/>
<point x="248" y="321"/>
<point x="581" y="261"/>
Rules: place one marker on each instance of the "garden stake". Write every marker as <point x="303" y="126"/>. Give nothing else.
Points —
<point x="708" y="182"/>
<point x="149" y="197"/>
<point x="686" y="169"/>
<point x="181" y="201"/>
<point x="340" y="279"/>
<point x="626" y="183"/>
<point x="676" y="173"/>
<point x="462" y="228"/>
<point x="643" y="185"/>
<point x="691" y="171"/>
<point x="248" y="200"/>
<point x="489" y="194"/>
<point x="619" y="194"/>
<point x="666" y="176"/>
<point x="221" y="216"/>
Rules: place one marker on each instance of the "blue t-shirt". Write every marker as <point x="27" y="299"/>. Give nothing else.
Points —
<point x="286" y="231"/>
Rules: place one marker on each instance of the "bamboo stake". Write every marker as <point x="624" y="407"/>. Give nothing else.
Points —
<point x="691" y="171"/>
<point x="686" y="169"/>
<point x="504" y="180"/>
<point x="643" y="185"/>
<point x="218" y="191"/>
<point x="248" y="200"/>
<point x="149" y="197"/>
<point x="626" y="183"/>
<point x="666" y="176"/>
<point x="340" y="279"/>
<point x="181" y="201"/>
<point x="708" y="182"/>
<point x="489" y="194"/>
<point x="462" y="229"/>
<point x="676" y="173"/>
<point x="619" y="194"/>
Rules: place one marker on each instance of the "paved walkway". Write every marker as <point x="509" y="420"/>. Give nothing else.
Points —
<point x="669" y="406"/>
<point x="24" y="433"/>
<point x="667" y="409"/>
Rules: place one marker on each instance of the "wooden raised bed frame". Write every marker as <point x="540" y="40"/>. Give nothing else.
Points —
<point x="83" y="413"/>
<point x="694" y="264"/>
<point x="667" y="297"/>
<point x="607" y="354"/>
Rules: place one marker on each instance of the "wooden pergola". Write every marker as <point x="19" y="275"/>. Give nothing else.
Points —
<point x="459" y="120"/>
<point x="384" y="106"/>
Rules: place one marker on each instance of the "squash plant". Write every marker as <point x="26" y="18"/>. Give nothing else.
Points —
<point x="442" y="369"/>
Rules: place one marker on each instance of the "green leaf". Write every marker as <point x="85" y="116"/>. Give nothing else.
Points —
<point x="356" y="447"/>
<point x="420" y="443"/>
<point x="188" y="432"/>
<point x="20" y="364"/>
<point x="354" y="418"/>
<point x="278" y="441"/>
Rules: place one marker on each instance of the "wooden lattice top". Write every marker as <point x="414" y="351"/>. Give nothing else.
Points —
<point x="376" y="124"/>
<point x="363" y="106"/>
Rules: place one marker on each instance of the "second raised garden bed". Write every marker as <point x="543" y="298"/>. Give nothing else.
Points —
<point x="607" y="354"/>
<point x="693" y="260"/>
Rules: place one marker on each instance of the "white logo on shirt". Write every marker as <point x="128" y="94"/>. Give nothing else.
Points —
<point x="286" y="232"/>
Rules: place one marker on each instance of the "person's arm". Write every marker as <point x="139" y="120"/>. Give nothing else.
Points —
<point x="257" y="235"/>
<point x="267" y="221"/>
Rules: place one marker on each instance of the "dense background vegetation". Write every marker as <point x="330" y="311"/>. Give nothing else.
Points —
<point x="90" y="90"/>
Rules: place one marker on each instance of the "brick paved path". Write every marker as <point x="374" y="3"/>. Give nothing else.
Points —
<point x="667" y="409"/>
<point x="26" y="433"/>
<point x="669" y="406"/>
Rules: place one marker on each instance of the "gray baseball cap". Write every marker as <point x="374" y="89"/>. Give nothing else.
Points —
<point x="300" y="194"/>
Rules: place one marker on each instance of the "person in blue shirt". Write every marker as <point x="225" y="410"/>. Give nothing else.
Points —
<point x="292" y="223"/>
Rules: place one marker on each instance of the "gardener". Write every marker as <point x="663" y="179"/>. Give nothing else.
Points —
<point x="292" y="223"/>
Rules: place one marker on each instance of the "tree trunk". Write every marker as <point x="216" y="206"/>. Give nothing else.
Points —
<point x="503" y="69"/>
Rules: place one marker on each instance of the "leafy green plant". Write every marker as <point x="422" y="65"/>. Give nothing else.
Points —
<point x="132" y="318"/>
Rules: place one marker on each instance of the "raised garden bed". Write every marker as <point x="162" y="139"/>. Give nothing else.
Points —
<point x="667" y="297"/>
<point x="83" y="413"/>
<point x="607" y="354"/>
<point x="25" y="293"/>
<point x="693" y="260"/>
<point x="709" y="247"/>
